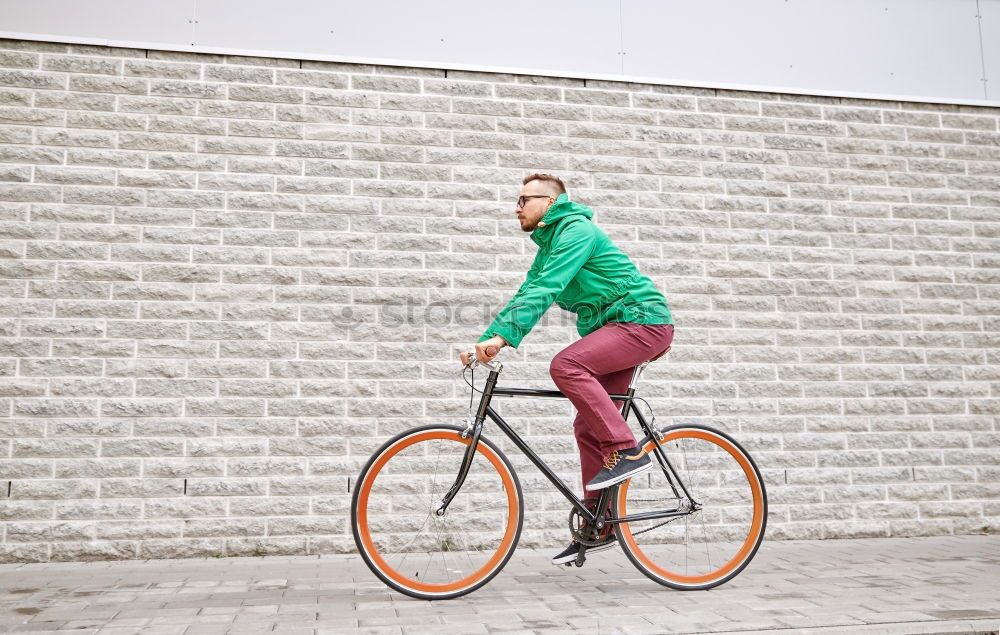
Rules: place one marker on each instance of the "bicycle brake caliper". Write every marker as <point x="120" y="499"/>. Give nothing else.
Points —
<point x="470" y="425"/>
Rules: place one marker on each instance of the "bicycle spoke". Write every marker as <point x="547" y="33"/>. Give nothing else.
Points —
<point x="704" y="532"/>
<point x="404" y="548"/>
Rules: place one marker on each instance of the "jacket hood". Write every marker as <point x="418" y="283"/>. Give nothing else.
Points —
<point x="562" y="208"/>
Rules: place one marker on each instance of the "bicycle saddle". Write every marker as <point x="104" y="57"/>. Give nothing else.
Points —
<point x="653" y="359"/>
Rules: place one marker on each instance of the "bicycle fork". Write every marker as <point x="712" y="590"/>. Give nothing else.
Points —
<point x="473" y="431"/>
<point x="463" y="470"/>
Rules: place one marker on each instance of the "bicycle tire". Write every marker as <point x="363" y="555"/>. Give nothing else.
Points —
<point x="727" y="530"/>
<point x="391" y="514"/>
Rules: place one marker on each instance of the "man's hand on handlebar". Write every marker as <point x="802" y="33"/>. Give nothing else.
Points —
<point x="485" y="350"/>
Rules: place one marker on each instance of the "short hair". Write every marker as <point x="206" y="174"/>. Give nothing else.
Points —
<point x="555" y="181"/>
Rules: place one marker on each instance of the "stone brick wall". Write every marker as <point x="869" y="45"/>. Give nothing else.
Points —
<point x="226" y="281"/>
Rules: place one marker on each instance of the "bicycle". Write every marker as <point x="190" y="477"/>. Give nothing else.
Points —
<point x="437" y="510"/>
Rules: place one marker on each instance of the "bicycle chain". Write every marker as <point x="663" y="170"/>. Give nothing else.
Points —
<point x="576" y="527"/>
<point x="666" y="522"/>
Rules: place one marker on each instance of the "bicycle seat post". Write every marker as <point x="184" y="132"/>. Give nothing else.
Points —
<point x="637" y="375"/>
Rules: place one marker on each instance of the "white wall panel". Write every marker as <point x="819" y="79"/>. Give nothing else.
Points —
<point x="124" y="22"/>
<point x="525" y="35"/>
<point x="892" y="47"/>
<point x="990" y="12"/>
<point x="903" y="49"/>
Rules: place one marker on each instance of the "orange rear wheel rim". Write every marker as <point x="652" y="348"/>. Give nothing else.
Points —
<point x="756" y="523"/>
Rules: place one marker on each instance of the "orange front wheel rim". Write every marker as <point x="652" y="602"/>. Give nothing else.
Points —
<point x="412" y="582"/>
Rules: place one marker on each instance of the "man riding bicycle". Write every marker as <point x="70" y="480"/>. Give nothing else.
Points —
<point x="621" y="315"/>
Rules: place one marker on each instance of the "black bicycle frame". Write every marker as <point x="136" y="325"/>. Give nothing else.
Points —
<point x="492" y="390"/>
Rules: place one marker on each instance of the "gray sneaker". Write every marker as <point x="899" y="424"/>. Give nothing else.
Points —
<point x="619" y="466"/>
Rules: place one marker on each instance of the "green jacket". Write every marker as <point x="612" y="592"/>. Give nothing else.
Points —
<point x="582" y="271"/>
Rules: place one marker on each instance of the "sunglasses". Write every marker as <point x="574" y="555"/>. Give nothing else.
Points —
<point x="524" y="199"/>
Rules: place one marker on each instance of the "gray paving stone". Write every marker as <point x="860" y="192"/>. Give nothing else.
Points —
<point x="885" y="586"/>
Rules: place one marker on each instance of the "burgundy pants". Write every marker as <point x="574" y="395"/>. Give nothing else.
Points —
<point x="597" y="365"/>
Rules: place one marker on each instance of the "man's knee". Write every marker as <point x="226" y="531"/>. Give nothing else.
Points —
<point x="562" y="365"/>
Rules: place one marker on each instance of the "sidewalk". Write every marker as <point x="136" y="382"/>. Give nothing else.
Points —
<point x="898" y="585"/>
